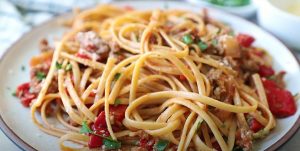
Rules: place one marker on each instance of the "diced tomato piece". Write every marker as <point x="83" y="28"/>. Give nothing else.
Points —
<point x="97" y="141"/>
<point x="269" y="84"/>
<point x="265" y="71"/>
<point x="93" y="93"/>
<point x="118" y="112"/>
<point x="182" y="77"/>
<point x="245" y="40"/>
<point x="147" y="143"/>
<point x="257" y="52"/>
<point x="281" y="102"/>
<point x="83" y="56"/>
<point x="27" y="99"/>
<point x="22" y="88"/>
<point x="255" y="126"/>
<point x="91" y="47"/>
<point x="24" y="94"/>
<point x="100" y="121"/>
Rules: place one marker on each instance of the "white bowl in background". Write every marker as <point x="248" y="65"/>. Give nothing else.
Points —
<point x="246" y="11"/>
<point x="276" y="16"/>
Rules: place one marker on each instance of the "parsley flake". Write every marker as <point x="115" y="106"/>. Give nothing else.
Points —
<point x="203" y="46"/>
<point x="40" y="75"/>
<point x="117" y="102"/>
<point x="111" y="144"/>
<point x="187" y="39"/>
<point x="85" y="129"/>
<point x="117" y="76"/>
<point x="161" y="145"/>
<point x="58" y="65"/>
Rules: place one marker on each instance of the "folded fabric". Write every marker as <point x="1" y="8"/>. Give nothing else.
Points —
<point x="18" y="16"/>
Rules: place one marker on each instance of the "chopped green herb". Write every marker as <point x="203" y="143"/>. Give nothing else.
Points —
<point x="161" y="145"/>
<point x="23" y="68"/>
<point x="85" y="129"/>
<point x="40" y="75"/>
<point x="68" y="67"/>
<point x="117" y="102"/>
<point x="14" y="94"/>
<point x="187" y="39"/>
<point x="107" y="141"/>
<point x="214" y="42"/>
<point x="58" y="65"/>
<point x="203" y="46"/>
<point x="111" y="144"/>
<point x="117" y="76"/>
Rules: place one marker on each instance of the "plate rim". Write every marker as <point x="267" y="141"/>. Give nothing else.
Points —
<point x="23" y="145"/>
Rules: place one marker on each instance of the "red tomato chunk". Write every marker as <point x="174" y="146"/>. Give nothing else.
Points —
<point x="255" y="126"/>
<point x="100" y="126"/>
<point x="147" y="143"/>
<point x="245" y="40"/>
<point x="83" y="56"/>
<point x="265" y="71"/>
<point x="24" y="94"/>
<point x="97" y="141"/>
<point x="281" y="102"/>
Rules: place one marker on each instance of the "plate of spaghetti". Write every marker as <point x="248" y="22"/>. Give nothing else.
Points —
<point x="149" y="76"/>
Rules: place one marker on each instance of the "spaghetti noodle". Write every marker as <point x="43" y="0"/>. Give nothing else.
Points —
<point x="155" y="79"/>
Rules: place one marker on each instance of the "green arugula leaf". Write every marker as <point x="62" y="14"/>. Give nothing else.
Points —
<point x="40" y="75"/>
<point x="85" y="129"/>
<point x="161" y="145"/>
<point x="68" y="67"/>
<point x="117" y="102"/>
<point x="117" y="76"/>
<point x="111" y="144"/>
<point x="58" y="65"/>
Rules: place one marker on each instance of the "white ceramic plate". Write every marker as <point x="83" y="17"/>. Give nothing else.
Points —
<point x="16" y="122"/>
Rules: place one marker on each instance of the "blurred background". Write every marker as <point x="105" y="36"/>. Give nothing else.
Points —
<point x="279" y="17"/>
